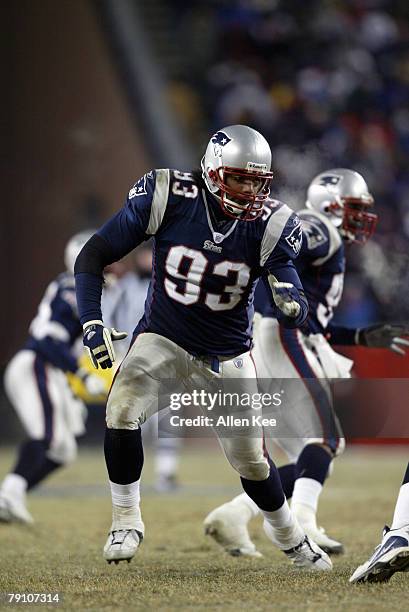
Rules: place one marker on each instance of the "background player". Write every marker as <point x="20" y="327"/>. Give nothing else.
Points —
<point x="38" y="389"/>
<point x="212" y="240"/>
<point x="338" y="211"/>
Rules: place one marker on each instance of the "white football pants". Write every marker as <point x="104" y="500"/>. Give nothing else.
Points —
<point x="306" y="415"/>
<point x="139" y="390"/>
<point x="45" y="405"/>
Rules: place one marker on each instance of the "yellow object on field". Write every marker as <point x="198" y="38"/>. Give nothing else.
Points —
<point x="78" y="387"/>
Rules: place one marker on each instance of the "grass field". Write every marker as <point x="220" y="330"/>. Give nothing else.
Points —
<point x="177" y="568"/>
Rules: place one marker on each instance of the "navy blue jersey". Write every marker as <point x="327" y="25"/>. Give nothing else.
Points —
<point x="321" y="267"/>
<point x="204" y="268"/>
<point x="56" y="326"/>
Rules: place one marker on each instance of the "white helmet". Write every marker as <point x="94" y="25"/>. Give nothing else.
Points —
<point x="239" y="151"/>
<point x="74" y="246"/>
<point x="343" y="196"/>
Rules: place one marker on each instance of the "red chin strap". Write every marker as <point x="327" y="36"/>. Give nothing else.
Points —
<point x="358" y="225"/>
<point x="237" y="205"/>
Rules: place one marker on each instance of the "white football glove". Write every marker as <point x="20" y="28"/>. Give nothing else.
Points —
<point x="384" y="335"/>
<point x="284" y="295"/>
<point x="92" y="383"/>
<point x="98" y="340"/>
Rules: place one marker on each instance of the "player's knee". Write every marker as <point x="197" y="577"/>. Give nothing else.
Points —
<point x="257" y="469"/>
<point x="122" y="417"/>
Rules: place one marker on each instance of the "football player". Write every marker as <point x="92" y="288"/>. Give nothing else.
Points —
<point x="392" y="554"/>
<point x="214" y="234"/>
<point x="338" y="212"/>
<point x="38" y="389"/>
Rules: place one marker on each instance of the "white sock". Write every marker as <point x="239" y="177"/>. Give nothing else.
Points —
<point x="304" y="502"/>
<point x="14" y="485"/>
<point x="126" y="513"/>
<point x="247" y="505"/>
<point x="401" y="514"/>
<point x="287" y="532"/>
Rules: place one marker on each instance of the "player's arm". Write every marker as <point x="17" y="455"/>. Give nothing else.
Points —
<point x="138" y="220"/>
<point x="288" y="294"/>
<point x="393" y="336"/>
<point x="281" y="244"/>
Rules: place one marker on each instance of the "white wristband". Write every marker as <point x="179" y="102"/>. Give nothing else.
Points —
<point x="95" y="322"/>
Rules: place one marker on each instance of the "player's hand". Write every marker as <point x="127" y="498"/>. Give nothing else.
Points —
<point x="93" y="384"/>
<point x="98" y="340"/>
<point x="385" y="335"/>
<point x="285" y="297"/>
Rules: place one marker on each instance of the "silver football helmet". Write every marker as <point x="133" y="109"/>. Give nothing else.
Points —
<point x="74" y="246"/>
<point x="343" y="196"/>
<point x="235" y="155"/>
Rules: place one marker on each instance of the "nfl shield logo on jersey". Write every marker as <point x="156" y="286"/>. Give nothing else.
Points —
<point x="238" y="362"/>
<point x="219" y="140"/>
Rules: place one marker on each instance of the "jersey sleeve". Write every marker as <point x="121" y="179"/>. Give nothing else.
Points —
<point x="139" y="219"/>
<point x="340" y="335"/>
<point x="282" y="240"/>
<point x="55" y="328"/>
<point x="281" y="244"/>
<point x="141" y="216"/>
<point x="320" y="240"/>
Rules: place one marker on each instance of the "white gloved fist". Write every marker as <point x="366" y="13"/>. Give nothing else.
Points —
<point x="285" y="297"/>
<point x="98" y="340"/>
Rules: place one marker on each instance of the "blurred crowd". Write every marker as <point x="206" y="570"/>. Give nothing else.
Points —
<point x="327" y="83"/>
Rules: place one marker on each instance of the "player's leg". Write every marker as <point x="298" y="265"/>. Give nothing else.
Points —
<point x="259" y="477"/>
<point x="29" y="388"/>
<point x="311" y="423"/>
<point x="392" y="554"/>
<point x="133" y="398"/>
<point x="228" y="523"/>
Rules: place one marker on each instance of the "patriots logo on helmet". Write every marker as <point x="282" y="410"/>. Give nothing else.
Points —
<point x="330" y="180"/>
<point x="219" y="140"/>
<point x="294" y="239"/>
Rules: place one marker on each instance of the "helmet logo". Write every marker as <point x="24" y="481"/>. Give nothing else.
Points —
<point x="330" y="180"/>
<point x="219" y="140"/>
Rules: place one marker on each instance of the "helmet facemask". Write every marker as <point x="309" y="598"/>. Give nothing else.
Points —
<point x="244" y="206"/>
<point x="357" y="224"/>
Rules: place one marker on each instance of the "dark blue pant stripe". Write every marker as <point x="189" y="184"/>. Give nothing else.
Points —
<point x="41" y="377"/>
<point x="294" y="350"/>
